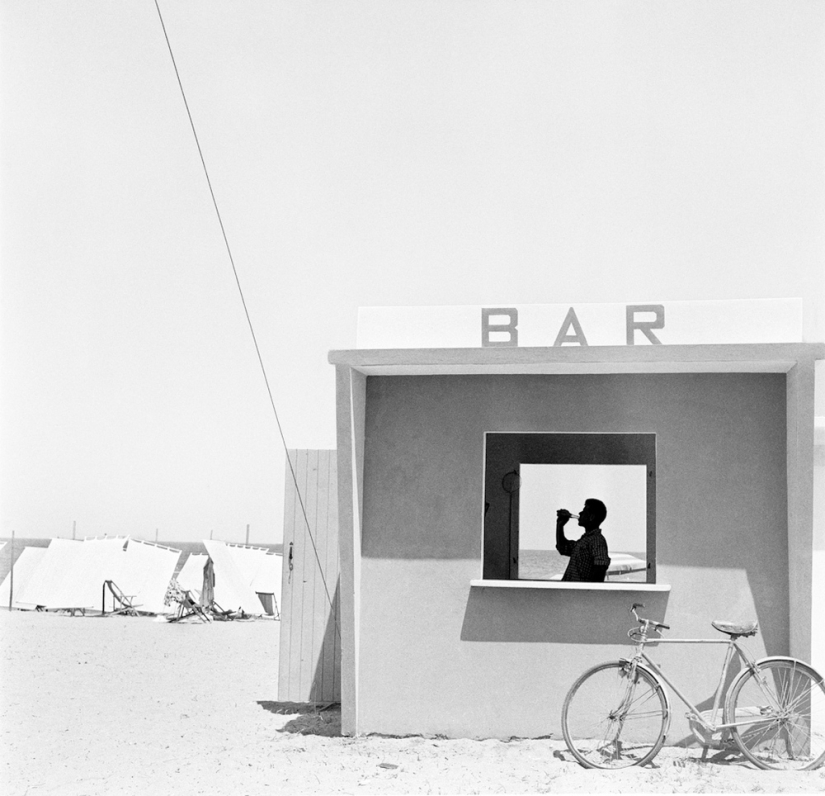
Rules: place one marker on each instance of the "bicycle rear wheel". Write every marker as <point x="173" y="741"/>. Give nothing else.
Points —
<point x="783" y="703"/>
<point x="613" y="720"/>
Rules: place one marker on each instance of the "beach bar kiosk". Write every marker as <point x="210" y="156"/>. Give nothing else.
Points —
<point x="441" y="632"/>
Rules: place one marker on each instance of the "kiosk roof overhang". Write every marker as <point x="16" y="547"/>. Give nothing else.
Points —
<point x="740" y="358"/>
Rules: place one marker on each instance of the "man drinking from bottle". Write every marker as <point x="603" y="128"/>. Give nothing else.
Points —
<point x="589" y="557"/>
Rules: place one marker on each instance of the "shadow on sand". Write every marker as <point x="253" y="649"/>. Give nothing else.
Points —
<point x="310" y="718"/>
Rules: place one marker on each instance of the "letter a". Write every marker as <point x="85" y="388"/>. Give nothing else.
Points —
<point x="564" y="335"/>
<point x="488" y="329"/>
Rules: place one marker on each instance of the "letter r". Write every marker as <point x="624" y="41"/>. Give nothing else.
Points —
<point x="488" y="328"/>
<point x="644" y="327"/>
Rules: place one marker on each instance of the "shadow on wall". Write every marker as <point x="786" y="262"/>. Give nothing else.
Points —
<point x="326" y="682"/>
<point x="551" y="616"/>
<point x="706" y="705"/>
<point x="721" y="480"/>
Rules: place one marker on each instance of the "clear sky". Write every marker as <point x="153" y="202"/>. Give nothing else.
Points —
<point x="362" y="153"/>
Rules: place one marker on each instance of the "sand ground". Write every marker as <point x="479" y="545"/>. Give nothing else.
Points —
<point x="135" y="706"/>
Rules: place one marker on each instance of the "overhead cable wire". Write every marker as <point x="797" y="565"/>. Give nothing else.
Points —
<point x="246" y="312"/>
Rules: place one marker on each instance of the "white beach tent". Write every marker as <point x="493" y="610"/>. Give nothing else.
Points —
<point x="71" y="574"/>
<point x="232" y="591"/>
<point x="268" y="580"/>
<point x="99" y="560"/>
<point x="27" y="562"/>
<point x="190" y="577"/>
<point x="261" y="570"/>
<point x="52" y="570"/>
<point x="247" y="559"/>
<point x="146" y="571"/>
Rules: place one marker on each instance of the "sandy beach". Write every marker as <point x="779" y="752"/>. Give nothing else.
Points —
<point x="133" y="705"/>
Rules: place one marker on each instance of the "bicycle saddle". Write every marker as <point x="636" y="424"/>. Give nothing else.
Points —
<point x="736" y="628"/>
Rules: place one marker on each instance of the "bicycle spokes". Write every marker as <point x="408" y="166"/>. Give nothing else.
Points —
<point x="779" y="710"/>
<point x="613" y="720"/>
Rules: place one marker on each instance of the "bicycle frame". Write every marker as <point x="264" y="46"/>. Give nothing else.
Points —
<point x="732" y="648"/>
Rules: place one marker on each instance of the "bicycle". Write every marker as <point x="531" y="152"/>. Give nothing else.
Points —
<point x="617" y="714"/>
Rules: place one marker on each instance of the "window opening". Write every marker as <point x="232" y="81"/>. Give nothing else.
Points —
<point x="529" y="475"/>
<point x="548" y="487"/>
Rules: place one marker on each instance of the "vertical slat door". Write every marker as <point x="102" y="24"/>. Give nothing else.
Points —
<point x="310" y="642"/>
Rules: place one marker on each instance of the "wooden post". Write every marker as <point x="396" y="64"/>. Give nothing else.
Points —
<point x="210" y="534"/>
<point x="156" y="535"/>
<point x="74" y="528"/>
<point x="247" y="533"/>
<point x="11" y="573"/>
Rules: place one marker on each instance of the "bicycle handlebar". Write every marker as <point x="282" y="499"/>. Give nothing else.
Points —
<point x="647" y="622"/>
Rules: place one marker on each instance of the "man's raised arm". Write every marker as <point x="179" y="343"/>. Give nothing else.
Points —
<point x="563" y="544"/>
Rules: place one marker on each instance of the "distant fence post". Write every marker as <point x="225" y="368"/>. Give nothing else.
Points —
<point x="11" y="573"/>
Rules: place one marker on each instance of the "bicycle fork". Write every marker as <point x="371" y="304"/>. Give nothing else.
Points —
<point x="618" y="716"/>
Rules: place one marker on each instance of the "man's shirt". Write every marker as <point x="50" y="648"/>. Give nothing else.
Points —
<point x="585" y="554"/>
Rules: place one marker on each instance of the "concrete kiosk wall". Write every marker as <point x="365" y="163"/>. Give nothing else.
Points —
<point x="430" y="647"/>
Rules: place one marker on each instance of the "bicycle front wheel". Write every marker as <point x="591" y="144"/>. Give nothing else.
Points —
<point x="612" y="719"/>
<point x="780" y="712"/>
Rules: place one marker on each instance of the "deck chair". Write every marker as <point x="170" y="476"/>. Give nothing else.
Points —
<point x="222" y="615"/>
<point x="123" y="604"/>
<point x="188" y="607"/>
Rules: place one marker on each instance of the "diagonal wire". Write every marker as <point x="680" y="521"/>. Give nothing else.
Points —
<point x="246" y="312"/>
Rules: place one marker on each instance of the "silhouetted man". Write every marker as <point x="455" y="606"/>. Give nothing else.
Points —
<point x="589" y="557"/>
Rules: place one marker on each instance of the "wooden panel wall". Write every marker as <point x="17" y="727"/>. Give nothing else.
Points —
<point x="310" y="646"/>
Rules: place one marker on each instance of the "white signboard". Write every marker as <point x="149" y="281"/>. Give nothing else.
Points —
<point x="648" y="323"/>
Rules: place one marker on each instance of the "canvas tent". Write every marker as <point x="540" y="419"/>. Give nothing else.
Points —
<point x="262" y="571"/>
<point x="97" y="561"/>
<point x="267" y="582"/>
<point x="71" y="574"/>
<point x="233" y="590"/>
<point x="246" y="577"/>
<point x="147" y="570"/>
<point x="58" y="561"/>
<point x="247" y="559"/>
<point x="190" y="577"/>
<point x="28" y="560"/>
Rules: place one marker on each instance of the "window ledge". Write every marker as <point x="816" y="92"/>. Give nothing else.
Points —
<point x="558" y="584"/>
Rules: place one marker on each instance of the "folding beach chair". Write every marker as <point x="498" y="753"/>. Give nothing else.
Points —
<point x="187" y="605"/>
<point x="223" y="615"/>
<point x="124" y="601"/>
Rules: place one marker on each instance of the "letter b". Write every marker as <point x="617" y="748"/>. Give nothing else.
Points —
<point x="488" y="328"/>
